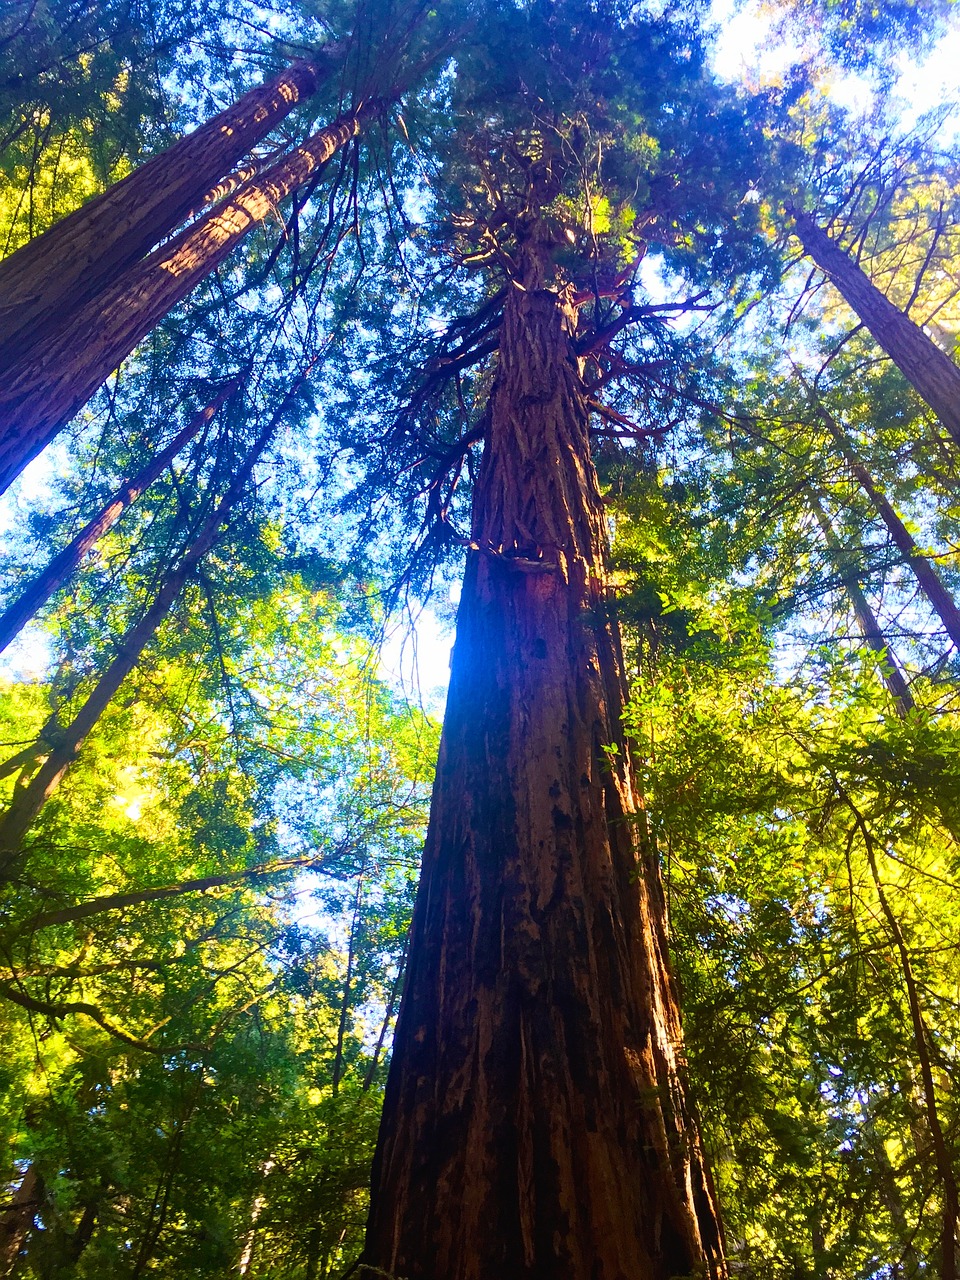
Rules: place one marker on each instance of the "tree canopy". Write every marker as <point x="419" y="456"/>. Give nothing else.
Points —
<point x="216" y="787"/>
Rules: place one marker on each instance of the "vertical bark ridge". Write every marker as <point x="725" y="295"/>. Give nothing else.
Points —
<point x="59" y="271"/>
<point x="536" y="1124"/>
<point x="45" y="389"/>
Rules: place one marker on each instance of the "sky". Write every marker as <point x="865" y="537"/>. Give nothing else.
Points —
<point x="416" y="655"/>
<point x="747" y="49"/>
<point x="416" y="652"/>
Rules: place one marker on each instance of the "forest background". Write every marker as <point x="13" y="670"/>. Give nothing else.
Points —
<point x="204" y="924"/>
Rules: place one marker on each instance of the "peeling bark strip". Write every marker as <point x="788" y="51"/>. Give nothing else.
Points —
<point x="536" y="1123"/>
<point x="45" y="390"/>
<point x="39" y="590"/>
<point x="931" y="372"/>
<point x="58" y="272"/>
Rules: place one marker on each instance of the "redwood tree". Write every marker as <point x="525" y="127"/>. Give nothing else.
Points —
<point x="51" y="277"/>
<point x="47" y="386"/>
<point x="537" y="1122"/>
<point x="929" y="370"/>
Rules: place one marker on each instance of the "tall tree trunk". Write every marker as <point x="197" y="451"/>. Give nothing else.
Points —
<point x="32" y="792"/>
<point x="44" y="390"/>
<point x="256" y="1208"/>
<point x="536" y="1123"/>
<point x="16" y="1220"/>
<point x="930" y="583"/>
<point x="932" y="374"/>
<point x="50" y="278"/>
<point x="37" y="592"/>
<point x="867" y="620"/>
<point x="942" y="1153"/>
<point x="347" y="988"/>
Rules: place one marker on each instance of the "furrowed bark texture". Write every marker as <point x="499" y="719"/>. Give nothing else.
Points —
<point x="44" y="390"/>
<point x="929" y="370"/>
<point x="536" y="1123"/>
<point x="55" y="274"/>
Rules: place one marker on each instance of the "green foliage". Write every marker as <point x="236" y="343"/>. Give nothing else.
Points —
<point x="195" y="1074"/>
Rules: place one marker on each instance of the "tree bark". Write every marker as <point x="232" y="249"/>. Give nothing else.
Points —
<point x="32" y="792"/>
<point x="536" y="1123"/>
<point x="867" y="620"/>
<point x="35" y="595"/>
<point x="45" y="389"/>
<point x="16" y="1221"/>
<point x="54" y="275"/>
<point x="931" y="373"/>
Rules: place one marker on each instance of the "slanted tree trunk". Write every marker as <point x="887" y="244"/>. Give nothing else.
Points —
<point x="16" y="1220"/>
<point x="944" y="1156"/>
<point x="51" y="277"/>
<point x="929" y="581"/>
<point x="536" y="1122"/>
<point x="37" y="592"/>
<point x="45" y="389"/>
<point x="931" y="373"/>
<point x="867" y="620"/>
<point x="32" y="790"/>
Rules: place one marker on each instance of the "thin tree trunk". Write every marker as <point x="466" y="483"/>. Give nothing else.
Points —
<point x="84" y="1232"/>
<point x="16" y="1220"/>
<point x="256" y="1208"/>
<point x="35" y="595"/>
<point x="50" y="278"/>
<point x="867" y="620"/>
<point x="31" y="793"/>
<point x="536" y="1122"/>
<point x="942" y="1155"/>
<point x="348" y="979"/>
<point x="939" y="597"/>
<point x="931" y="372"/>
<point x="45" y="390"/>
<point x="371" y="1071"/>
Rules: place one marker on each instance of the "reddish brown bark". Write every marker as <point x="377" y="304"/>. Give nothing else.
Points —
<point x="37" y="592"/>
<point x="54" y="275"/>
<point x="536" y="1123"/>
<point x="929" y="370"/>
<point x="47" y="388"/>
